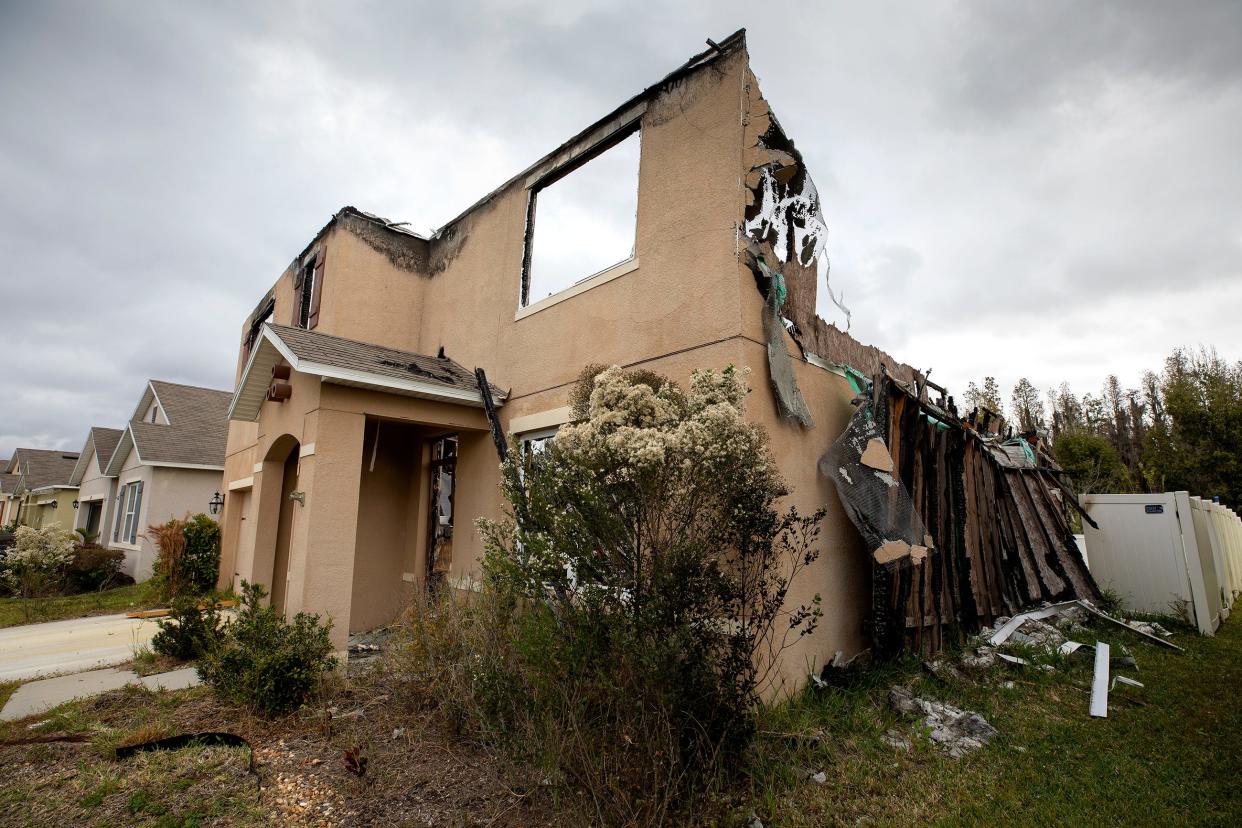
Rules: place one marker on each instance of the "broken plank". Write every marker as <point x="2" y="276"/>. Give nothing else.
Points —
<point x="1001" y="635"/>
<point x="1087" y="606"/>
<point x="876" y="456"/>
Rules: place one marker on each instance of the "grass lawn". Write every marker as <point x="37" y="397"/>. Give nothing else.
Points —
<point x="1167" y="754"/>
<point x="121" y="599"/>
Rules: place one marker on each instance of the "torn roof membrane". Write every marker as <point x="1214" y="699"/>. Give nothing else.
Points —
<point x="785" y="212"/>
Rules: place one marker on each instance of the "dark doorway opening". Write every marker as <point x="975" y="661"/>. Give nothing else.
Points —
<point x="93" y="511"/>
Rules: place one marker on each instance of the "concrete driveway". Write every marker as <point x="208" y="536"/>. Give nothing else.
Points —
<point x="77" y="644"/>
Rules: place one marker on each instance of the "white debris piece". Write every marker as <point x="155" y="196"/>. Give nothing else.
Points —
<point x="1005" y="627"/>
<point x="1099" y="685"/>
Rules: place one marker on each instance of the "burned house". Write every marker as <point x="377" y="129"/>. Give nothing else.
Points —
<point x="361" y="446"/>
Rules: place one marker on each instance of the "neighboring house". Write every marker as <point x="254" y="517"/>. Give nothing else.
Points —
<point x="44" y="493"/>
<point x="166" y="464"/>
<point x="8" y="498"/>
<point x="96" y="490"/>
<point x="360" y="453"/>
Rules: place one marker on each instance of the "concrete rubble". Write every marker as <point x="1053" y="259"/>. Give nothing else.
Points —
<point x="954" y="731"/>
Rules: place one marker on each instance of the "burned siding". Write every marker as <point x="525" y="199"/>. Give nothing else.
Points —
<point x="405" y="252"/>
<point x="994" y="532"/>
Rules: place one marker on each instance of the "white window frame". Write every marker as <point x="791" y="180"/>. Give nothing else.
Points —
<point x="118" y="517"/>
<point x="534" y="441"/>
<point x="131" y="510"/>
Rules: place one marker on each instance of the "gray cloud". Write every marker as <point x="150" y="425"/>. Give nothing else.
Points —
<point x="1042" y="189"/>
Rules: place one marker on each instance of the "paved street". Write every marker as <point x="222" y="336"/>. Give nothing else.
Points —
<point x="39" y="696"/>
<point x="34" y="650"/>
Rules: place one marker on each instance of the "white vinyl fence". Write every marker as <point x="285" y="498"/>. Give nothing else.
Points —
<point x="1166" y="553"/>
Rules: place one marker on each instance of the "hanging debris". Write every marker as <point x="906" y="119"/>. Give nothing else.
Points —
<point x="789" y="399"/>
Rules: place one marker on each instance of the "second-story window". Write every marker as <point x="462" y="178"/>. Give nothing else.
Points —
<point x="582" y="220"/>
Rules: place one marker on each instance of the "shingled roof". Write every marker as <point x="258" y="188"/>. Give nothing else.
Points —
<point x="8" y="483"/>
<point x="105" y="440"/>
<point x="349" y="362"/>
<point x="40" y="468"/>
<point x="100" y="442"/>
<point x="194" y="436"/>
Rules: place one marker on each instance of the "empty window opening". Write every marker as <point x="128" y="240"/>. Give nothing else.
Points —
<point x="534" y="442"/>
<point x="304" y="296"/>
<point x="582" y="222"/>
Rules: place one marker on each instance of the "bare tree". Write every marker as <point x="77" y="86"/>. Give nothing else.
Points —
<point x="1028" y="409"/>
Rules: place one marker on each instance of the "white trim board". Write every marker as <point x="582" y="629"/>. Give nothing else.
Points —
<point x="540" y="420"/>
<point x="604" y="276"/>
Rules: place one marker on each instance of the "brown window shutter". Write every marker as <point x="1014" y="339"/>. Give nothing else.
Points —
<point x="133" y="530"/>
<point x="120" y="514"/>
<point x="295" y="318"/>
<point x="316" y="291"/>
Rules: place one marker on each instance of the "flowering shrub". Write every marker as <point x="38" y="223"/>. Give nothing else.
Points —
<point x="642" y="576"/>
<point x="34" y="566"/>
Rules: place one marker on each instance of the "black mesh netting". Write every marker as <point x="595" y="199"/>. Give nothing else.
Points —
<point x="874" y="497"/>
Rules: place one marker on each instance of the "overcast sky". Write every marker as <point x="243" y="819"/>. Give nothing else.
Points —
<point x="1048" y="189"/>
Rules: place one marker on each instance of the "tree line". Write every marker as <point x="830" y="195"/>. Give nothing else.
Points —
<point x="1180" y="429"/>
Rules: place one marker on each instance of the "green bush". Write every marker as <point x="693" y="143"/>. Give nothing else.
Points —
<point x="190" y="631"/>
<point x="201" y="559"/>
<point x="188" y="560"/>
<point x="94" y="568"/>
<point x="264" y="662"/>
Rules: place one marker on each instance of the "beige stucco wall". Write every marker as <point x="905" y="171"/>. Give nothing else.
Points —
<point x="690" y="303"/>
<point x="167" y="493"/>
<point x="43" y="514"/>
<point x="140" y="555"/>
<point x="96" y="486"/>
<point x="386" y="543"/>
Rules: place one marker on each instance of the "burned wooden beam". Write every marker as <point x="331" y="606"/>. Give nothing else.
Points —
<point x="489" y="407"/>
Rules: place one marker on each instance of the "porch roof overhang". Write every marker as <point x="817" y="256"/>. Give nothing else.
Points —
<point x="347" y="362"/>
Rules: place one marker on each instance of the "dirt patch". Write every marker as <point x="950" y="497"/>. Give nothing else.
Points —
<point x="411" y="773"/>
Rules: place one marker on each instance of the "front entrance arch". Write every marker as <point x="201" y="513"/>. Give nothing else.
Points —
<point x="281" y="463"/>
